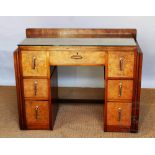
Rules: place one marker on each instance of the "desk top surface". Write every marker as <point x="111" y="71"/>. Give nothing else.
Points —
<point x="78" y="42"/>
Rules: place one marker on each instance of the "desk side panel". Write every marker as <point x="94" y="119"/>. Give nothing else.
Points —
<point x="18" y="89"/>
<point x="136" y="102"/>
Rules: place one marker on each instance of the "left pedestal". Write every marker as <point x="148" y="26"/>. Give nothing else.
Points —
<point x="37" y="103"/>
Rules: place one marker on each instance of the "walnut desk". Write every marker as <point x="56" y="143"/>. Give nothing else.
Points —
<point x="38" y="56"/>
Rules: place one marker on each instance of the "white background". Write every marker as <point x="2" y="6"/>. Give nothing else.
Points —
<point x="12" y="32"/>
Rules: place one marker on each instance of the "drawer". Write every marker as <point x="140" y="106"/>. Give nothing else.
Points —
<point x="36" y="88"/>
<point x="120" y="64"/>
<point x="77" y="57"/>
<point x="120" y="89"/>
<point x="119" y="113"/>
<point x="34" y="63"/>
<point x="37" y="114"/>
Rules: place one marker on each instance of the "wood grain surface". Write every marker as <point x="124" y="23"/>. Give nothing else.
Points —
<point x="113" y="113"/>
<point x="41" y="63"/>
<point x="78" y="57"/>
<point x="121" y="66"/>
<point x="114" y="90"/>
<point x="114" y="64"/>
<point x="41" y="86"/>
<point x="80" y="33"/>
<point x="42" y="122"/>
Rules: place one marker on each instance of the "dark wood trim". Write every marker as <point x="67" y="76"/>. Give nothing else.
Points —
<point x="54" y="96"/>
<point x="17" y="84"/>
<point x="106" y="91"/>
<point x="61" y="100"/>
<point x="81" y="93"/>
<point x="114" y="128"/>
<point x="136" y="101"/>
<point x="81" y="48"/>
<point x="37" y="98"/>
<point x="18" y="90"/>
<point x="120" y="78"/>
<point x="135" y="89"/>
<point x="22" y="103"/>
<point x="50" y="105"/>
<point x="79" y="33"/>
<point x="35" y="77"/>
<point x="139" y="88"/>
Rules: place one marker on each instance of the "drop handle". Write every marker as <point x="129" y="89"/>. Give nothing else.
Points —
<point x="36" y="112"/>
<point x="120" y="89"/>
<point x="77" y="56"/>
<point x="119" y="114"/>
<point x="121" y="64"/>
<point x="33" y="62"/>
<point x="35" y="88"/>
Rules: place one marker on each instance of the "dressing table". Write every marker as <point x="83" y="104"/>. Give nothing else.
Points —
<point x="36" y="60"/>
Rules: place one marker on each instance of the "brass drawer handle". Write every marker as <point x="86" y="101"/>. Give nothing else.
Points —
<point x="35" y="88"/>
<point x="119" y="114"/>
<point x="36" y="112"/>
<point x="120" y="89"/>
<point x="121" y="64"/>
<point x="77" y="56"/>
<point x="33" y="62"/>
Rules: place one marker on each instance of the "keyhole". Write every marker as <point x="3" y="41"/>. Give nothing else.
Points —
<point x="77" y="53"/>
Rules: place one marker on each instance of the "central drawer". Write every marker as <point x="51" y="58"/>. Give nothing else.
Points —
<point x="77" y="57"/>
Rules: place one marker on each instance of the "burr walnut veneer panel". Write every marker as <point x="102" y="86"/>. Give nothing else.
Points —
<point x="37" y="114"/>
<point x="35" y="88"/>
<point x="34" y="63"/>
<point x="120" y="64"/>
<point x="76" y="57"/>
<point x="119" y="113"/>
<point x="120" y="89"/>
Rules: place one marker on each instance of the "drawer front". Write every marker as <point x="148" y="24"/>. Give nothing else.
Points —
<point x="120" y="89"/>
<point x="34" y="63"/>
<point x="120" y="64"/>
<point x="77" y="57"/>
<point x="36" y="88"/>
<point x="119" y="113"/>
<point x="37" y="114"/>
